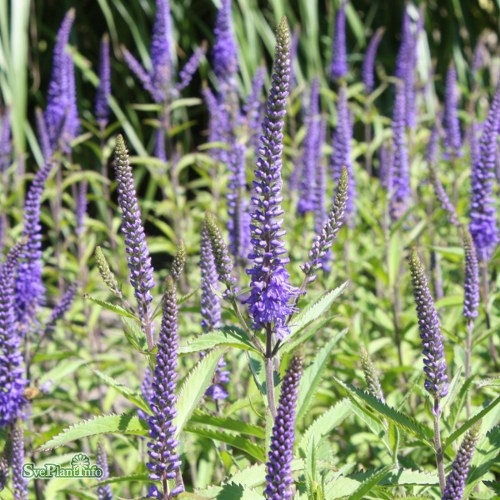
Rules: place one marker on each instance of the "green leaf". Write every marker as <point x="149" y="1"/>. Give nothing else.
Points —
<point x="110" y="307"/>
<point x="314" y="310"/>
<point x="469" y="423"/>
<point x="132" y="396"/>
<point x="103" y="424"/>
<point x="312" y="376"/>
<point x="239" y="442"/>
<point x="226" y="336"/>
<point x="228" y="424"/>
<point x="62" y="370"/>
<point x="369" y="483"/>
<point x="403" y="421"/>
<point x="194" y="387"/>
<point x="324" y="424"/>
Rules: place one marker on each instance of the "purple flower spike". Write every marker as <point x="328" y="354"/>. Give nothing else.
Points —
<point x="12" y="381"/>
<point x="5" y="143"/>
<point x="62" y="307"/>
<point x="386" y="161"/>
<point x="319" y="253"/>
<point x="43" y="135"/>
<point x="457" y="478"/>
<point x="483" y="227"/>
<point x="29" y="285"/>
<point x="160" y="149"/>
<point x="164" y="461"/>
<point x="471" y="284"/>
<point x="339" y="67"/>
<point x="279" y="477"/>
<point x="368" y="71"/>
<point x="103" y="492"/>
<point x="139" y="259"/>
<point x="104" y="89"/>
<point x="239" y="218"/>
<point x="320" y="215"/>
<point x="271" y="290"/>
<point x="306" y="187"/>
<point x="142" y="75"/>
<point x="210" y="303"/>
<point x="400" y="182"/>
<point x="161" y="51"/>
<point x="187" y="72"/>
<point x="146" y="391"/>
<point x="58" y="98"/>
<point x="341" y="156"/>
<point x="225" y="52"/>
<point x="452" y="136"/>
<point x="436" y="382"/>
<point x="71" y="124"/>
<point x="20" y="483"/>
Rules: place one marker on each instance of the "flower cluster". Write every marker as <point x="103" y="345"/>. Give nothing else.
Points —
<point x="5" y="142"/>
<point x="368" y="71"/>
<point x="339" y="67"/>
<point x="483" y="226"/>
<point x="12" y="381"/>
<point x="371" y="377"/>
<point x="29" y="285"/>
<point x="104" y="88"/>
<point x="17" y="460"/>
<point x="163" y="458"/>
<point x="103" y="492"/>
<point x="323" y="241"/>
<point x="271" y="290"/>
<point x="139" y="259"/>
<point x="279" y="471"/>
<point x="471" y="284"/>
<point x="452" y="136"/>
<point x="400" y="178"/>
<point x="456" y="480"/>
<point x="430" y="331"/>
<point x="225" y="52"/>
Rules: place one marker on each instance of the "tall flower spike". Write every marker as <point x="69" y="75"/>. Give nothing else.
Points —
<point x="5" y="142"/>
<point x="62" y="307"/>
<point x="163" y="458"/>
<point x="210" y="302"/>
<point x="225" y="52"/>
<point x="442" y="196"/>
<point x="239" y="218"/>
<point x="371" y="377"/>
<point x="386" y="162"/>
<point x="104" y="88"/>
<point x="319" y="180"/>
<point x="138" y="256"/>
<point x="323" y="241"/>
<point x="179" y="262"/>
<point x="4" y="472"/>
<point x="471" y="284"/>
<point x="103" y="492"/>
<point x="400" y="182"/>
<point x="306" y="187"/>
<point x="71" y="124"/>
<point x="368" y="71"/>
<point x="279" y="465"/>
<point x="483" y="226"/>
<point x="187" y="72"/>
<point x="457" y="478"/>
<point x="271" y="290"/>
<point x="211" y="311"/>
<point x="20" y="483"/>
<point x="223" y="263"/>
<point x="161" y="51"/>
<point x="58" y="102"/>
<point x="339" y="50"/>
<point x="43" y="135"/>
<point x="146" y="391"/>
<point x="341" y="156"/>
<point x="142" y="75"/>
<point x="29" y="285"/>
<point x="430" y="331"/>
<point x="107" y="275"/>
<point x="12" y="381"/>
<point x="452" y="136"/>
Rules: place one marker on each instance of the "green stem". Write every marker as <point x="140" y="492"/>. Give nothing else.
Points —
<point x="438" y="445"/>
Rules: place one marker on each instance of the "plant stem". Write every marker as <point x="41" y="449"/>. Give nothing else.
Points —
<point x="438" y="445"/>
<point x="468" y="354"/>
<point x="270" y="371"/>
